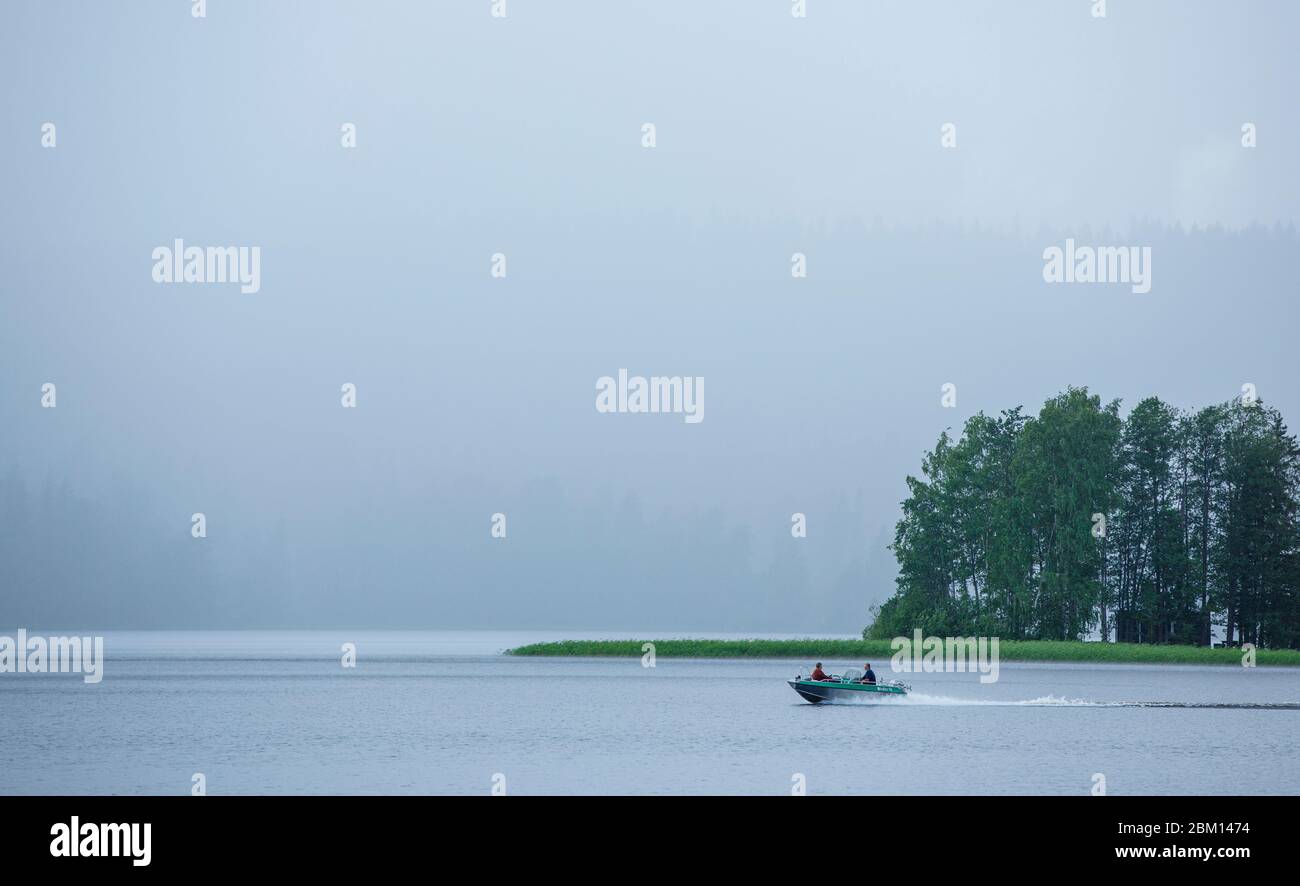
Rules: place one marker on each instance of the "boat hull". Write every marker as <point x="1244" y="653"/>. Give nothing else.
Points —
<point x="816" y="691"/>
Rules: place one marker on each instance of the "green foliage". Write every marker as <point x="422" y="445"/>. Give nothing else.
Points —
<point x="1000" y="534"/>
<point x="857" y="652"/>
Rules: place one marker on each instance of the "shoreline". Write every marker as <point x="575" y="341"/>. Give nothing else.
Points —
<point x="815" y="649"/>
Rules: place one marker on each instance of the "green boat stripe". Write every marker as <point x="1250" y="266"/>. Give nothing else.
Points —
<point x="860" y="687"/>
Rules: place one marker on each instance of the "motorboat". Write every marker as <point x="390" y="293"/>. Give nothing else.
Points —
<point x="847" y="686"/>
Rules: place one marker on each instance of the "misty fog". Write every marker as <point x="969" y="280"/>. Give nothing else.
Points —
<point x="475" y="394"/>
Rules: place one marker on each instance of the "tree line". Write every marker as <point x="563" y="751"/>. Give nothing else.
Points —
<point x="1165" y="526"/>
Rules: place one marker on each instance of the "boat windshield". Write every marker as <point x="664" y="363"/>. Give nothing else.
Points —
<point x="852" y="674"/>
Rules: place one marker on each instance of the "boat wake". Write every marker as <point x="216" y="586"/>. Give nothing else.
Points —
<point x="1053" y="701"/>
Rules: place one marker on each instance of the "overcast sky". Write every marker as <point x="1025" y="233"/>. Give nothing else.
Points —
<point x="476" y="395"/>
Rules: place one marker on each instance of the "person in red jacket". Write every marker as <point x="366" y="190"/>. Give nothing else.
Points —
<point x="818" y="673"/>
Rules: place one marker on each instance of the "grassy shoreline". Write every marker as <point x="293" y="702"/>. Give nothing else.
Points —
<point x="866" y="650"/>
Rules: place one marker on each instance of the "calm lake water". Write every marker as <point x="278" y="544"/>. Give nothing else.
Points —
<point x="263" y="712"/>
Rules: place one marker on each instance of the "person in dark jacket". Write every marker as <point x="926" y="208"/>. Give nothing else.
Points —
<point x="870" y="675"/>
